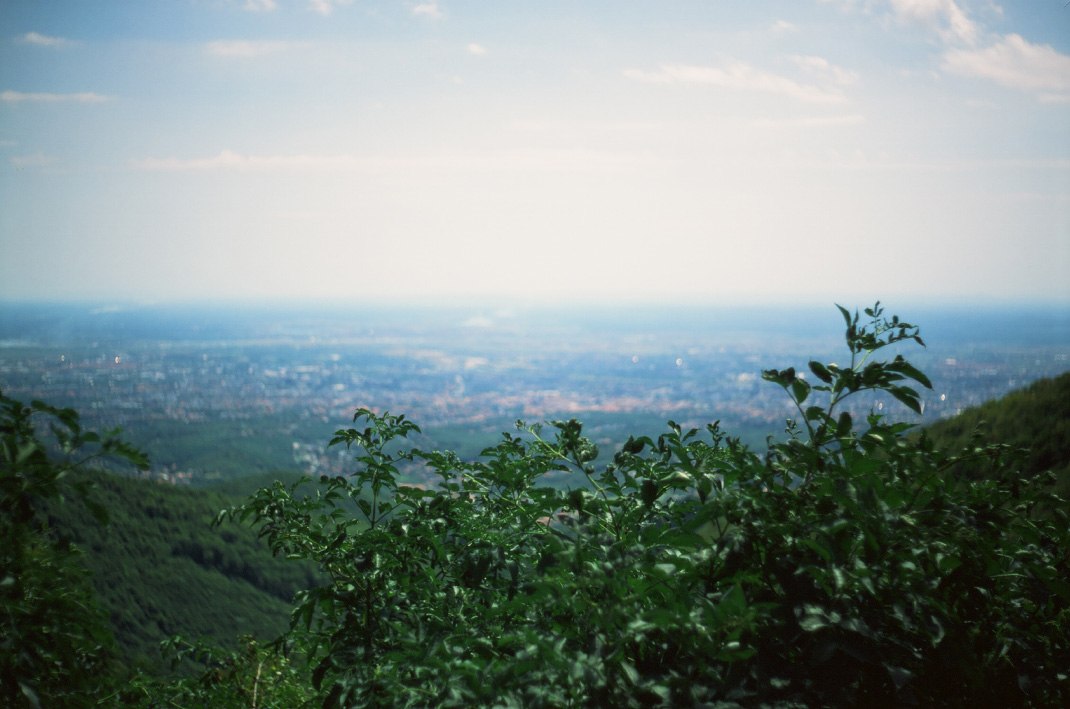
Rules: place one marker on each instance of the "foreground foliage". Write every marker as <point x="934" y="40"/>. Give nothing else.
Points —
<point x="851" y="565"/>
<point x="55" y="646"/>
<point x="97" y="569"/>
<point x="856" y="563"/>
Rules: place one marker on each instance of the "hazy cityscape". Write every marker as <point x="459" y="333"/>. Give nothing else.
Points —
<point x="282" y="381"/>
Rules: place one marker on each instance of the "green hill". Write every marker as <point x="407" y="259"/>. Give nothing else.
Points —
<point x="160" y="569"/>
<point x="1036" y="419"/>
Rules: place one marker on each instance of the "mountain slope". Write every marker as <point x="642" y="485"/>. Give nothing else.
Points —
<point x="160" y="569"/>
<point x="1036" y="418"/>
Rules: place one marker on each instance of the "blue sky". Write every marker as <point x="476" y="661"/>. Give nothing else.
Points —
<point x="722" y="152"/>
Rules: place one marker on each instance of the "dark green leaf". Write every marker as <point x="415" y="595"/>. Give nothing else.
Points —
<point x="821" y="371"/>
<point x="843" y="426"/>
<point x="907" y="396"/>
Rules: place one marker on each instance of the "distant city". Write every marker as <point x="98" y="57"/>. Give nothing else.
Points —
<point x="291" y="376"/>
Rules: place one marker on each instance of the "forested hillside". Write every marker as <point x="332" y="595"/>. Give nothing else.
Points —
<point x="160" y="568"/>
<point x="1034" y="421"/>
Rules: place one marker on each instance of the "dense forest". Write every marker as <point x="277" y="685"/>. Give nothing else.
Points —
<point x="160" y="568"/>
<point x="853" y="563"/>
<point x="1035" y="421"/>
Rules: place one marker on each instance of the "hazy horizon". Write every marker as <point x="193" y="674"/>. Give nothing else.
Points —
<point x="550" y="302"/>
<point x="432" y="151"/>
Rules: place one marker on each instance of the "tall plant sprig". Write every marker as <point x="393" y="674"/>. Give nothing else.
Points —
<point x="378" y="471"/>
<point x="825" y="428"/>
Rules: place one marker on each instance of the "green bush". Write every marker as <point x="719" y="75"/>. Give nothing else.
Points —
<point x="252" y="677"/>
<point x="54" y="644"/>
<point x="845" y="567"/>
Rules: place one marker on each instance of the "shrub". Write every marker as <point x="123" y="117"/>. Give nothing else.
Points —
<point x="846" y="566"/>
<point x="54" y="645"/>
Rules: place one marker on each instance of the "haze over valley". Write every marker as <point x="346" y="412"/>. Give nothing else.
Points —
<point x="217" y="393"/>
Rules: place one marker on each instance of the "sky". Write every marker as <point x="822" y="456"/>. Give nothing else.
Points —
<point x="554" y="151"/>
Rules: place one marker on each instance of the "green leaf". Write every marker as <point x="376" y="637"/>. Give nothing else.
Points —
<point x="843" y="426"/>
<point x="649" y="492"/>
<point x="365" y="507"/>
<point x="734" y="602"/>
<point x="846" y="315"/>
<point x="782" y="377"/>
<point x="821" y="371"/>
<point x="31" y="696"/>
<point x="906" y="368"/>
<point x="907" y="396"/>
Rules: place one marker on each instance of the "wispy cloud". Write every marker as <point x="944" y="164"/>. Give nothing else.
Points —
<point x="428" y="9"/>
<point x="43" y="40"/>
<point x="517" y="160"/>
<point x="944" y="17"/>
<point x="812" y="121"/>
<point x="783" y="27"/>
<point x="1018" y="64"/>
<point x="34" y="160"/>
<point x="825" y="70"/>
<point x="738" y="76"/>
<point x="327" y="7"/>
<point x="230" y="160"/>
<point x="476" y="49"/>
<point x="245" y="49"/>
<point x="260" y="5"/>
<point x="21" y="97"/>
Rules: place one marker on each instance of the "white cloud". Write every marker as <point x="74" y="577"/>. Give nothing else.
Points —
<point x="477" y="49"/>
<point x="824" y="69"/>
<point x="428" y="9"/>
<point x="326" y="7"/>
<point x="245" y="49"/>
<point x="1016" y="63"/>
<point x="260" y="5"/>
<point x="944" y="17"/>
<point x="783" y="27"/>
<point x="20" y="97"/>
<point x="42" y="40"/>
<point x="736" y="75"/>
